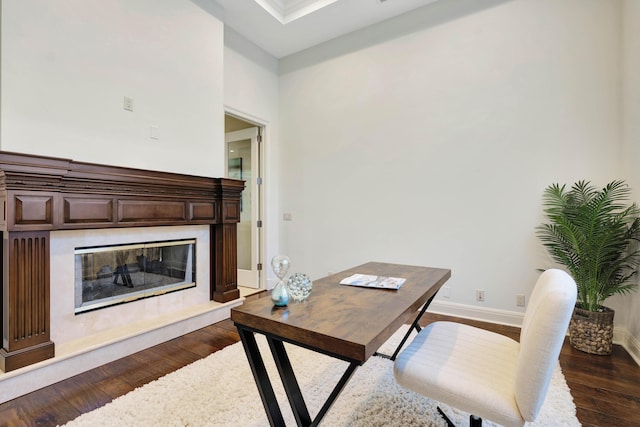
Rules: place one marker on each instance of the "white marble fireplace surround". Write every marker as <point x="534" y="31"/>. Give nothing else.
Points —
<point x="88" y="340"/>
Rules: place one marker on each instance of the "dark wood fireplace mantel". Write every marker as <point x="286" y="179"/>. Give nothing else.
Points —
<point x="41" y="194"/>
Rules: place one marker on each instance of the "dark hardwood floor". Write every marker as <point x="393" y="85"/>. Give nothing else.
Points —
<point x="606" y="389"/>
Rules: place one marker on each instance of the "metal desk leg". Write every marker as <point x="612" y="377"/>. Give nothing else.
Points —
<point x="290" y="383"/>
<point x="415" y="325"/>
<point x="262" y="379"/>
<point x="336" y="392"/>
<point x="292" y="388"/>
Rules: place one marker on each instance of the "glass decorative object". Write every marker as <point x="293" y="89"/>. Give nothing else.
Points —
<point x="299" y="285"/>
<point x="280" y="293"/>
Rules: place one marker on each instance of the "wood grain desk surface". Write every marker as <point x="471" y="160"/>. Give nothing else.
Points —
<point x="348" y="322"/>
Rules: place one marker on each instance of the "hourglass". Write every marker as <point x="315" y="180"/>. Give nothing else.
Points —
<point x="280" y="294"/>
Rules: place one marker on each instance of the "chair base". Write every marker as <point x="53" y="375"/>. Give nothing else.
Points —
<point x="473" y="420"/>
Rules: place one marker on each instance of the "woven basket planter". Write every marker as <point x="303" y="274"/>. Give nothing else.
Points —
<point x="592" y="331"/>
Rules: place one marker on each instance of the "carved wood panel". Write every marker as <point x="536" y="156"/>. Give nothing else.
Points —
<point x="224" y="268"/>
<point x="87" y="210"/>
<point x="132" y="211"/>
<point x="28" y="293"/>
<point x="33" y="209"/>
<point x="26" y="302"/>
<point x="202" y="211"/>
<point x="230" y="211"/>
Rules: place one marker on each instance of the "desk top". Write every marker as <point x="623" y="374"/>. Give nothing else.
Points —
<point x="348" y="322"/>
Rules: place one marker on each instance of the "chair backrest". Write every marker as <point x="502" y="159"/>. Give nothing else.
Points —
<point x="543" y="331"/>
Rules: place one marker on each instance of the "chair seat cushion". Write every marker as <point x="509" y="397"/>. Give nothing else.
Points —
<point x="467" y="367"/>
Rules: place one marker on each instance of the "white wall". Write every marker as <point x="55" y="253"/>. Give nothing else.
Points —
<point x="67" y="65"/>
<point x="429" y="139"/>
<point x="251" y="91"/>
<point x="626" y="307"/>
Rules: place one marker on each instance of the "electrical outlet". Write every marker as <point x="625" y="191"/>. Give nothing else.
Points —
<point x="520" y="300"/>
<point x="446" y="291"/>
<point x="479" y="295"/>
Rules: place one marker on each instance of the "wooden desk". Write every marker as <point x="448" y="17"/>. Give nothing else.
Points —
<point x="346" y="322"/>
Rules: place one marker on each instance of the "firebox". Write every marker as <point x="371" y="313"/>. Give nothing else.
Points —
<point x="116" y="274"/>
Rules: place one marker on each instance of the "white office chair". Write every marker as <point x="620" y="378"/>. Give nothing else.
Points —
<point x="487" y="374"/>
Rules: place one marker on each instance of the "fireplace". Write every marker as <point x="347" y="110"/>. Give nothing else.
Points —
<point x="46" y="196"/>
<point x="117" y="274"/>
<point x="68" y="326"/>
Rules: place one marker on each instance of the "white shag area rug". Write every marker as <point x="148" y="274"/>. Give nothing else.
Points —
<point x="219" y="390"/>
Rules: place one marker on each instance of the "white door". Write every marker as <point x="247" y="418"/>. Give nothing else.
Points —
<point x="243" y="163"/>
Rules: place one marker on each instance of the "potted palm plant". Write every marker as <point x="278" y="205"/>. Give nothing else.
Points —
<point x="593" y="234"/>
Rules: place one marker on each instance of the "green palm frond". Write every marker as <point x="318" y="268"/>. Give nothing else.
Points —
<point x="593" y="234"/>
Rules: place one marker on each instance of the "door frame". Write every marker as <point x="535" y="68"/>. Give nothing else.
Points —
<point x="263" y="129"/>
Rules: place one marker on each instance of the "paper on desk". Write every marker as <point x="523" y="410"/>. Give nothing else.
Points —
<point x="371" y="281"/>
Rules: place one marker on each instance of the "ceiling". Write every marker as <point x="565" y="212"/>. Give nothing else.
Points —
<point x="284" y="27"/>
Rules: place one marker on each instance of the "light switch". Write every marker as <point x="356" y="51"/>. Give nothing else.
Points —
<point x="128" y="103"/>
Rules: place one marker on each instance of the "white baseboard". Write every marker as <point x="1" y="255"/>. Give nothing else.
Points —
<point x="491" y="315"/>
<point x="630" y="343"/>
<point x="88" y="353"/>
<point x="621" y="335"/>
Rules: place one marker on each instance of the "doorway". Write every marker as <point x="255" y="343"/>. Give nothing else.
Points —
<point x="243" y="160"/>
